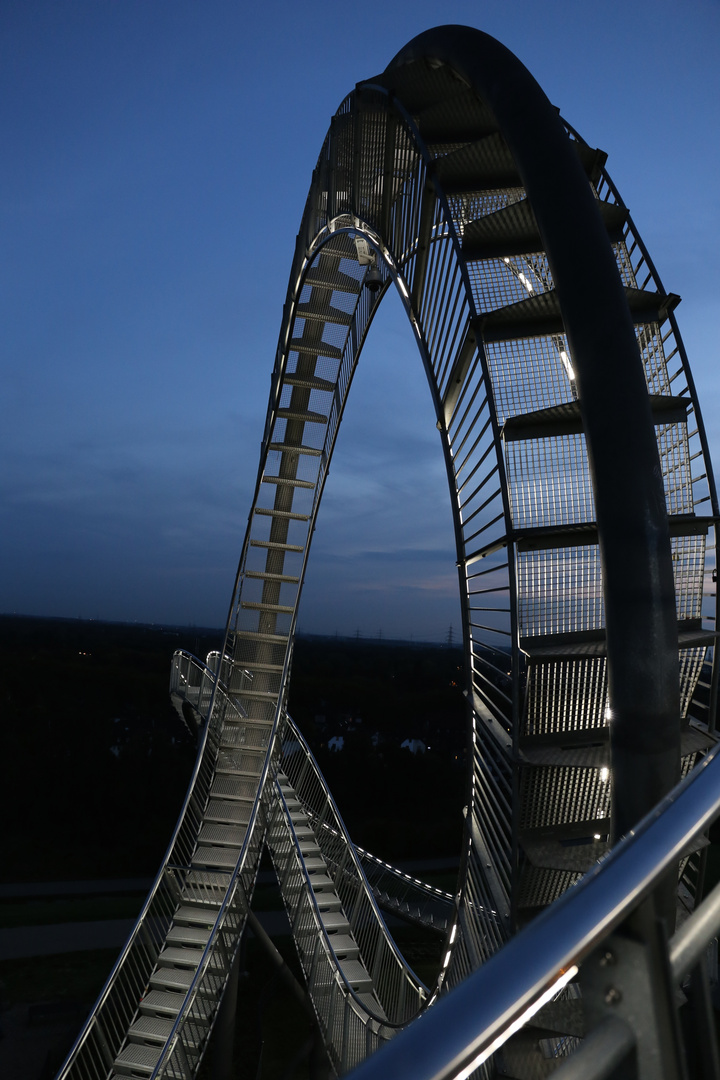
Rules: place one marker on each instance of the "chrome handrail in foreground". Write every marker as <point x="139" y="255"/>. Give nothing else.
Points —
<point x="468" y="1025"/>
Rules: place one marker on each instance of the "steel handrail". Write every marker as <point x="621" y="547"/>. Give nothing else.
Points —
<point x="481" y="1013"/>
<point x="166" y="864"/>
<point x="350" y="847"/>
<point x="165" y="1059"/>
<point x="361" y="1009"/>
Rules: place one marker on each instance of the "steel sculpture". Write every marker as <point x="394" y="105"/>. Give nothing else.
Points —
<point x="582" y="496"/>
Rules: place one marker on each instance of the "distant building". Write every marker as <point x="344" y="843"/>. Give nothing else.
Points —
<point x="415" y="746"/>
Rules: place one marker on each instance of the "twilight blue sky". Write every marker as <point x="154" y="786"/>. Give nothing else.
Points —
<point x="156" y="159"/>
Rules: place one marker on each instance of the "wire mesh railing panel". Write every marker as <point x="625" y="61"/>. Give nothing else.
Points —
<point x="566" y="696"/>
<point x="560" y="591"/>
<point x="555" y="796"/>
<point x="549" y="481"/>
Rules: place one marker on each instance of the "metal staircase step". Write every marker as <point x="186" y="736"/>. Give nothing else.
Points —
<point x="275" y="545"/>
<point x="229" y="812"/>
<point x="256" y="605"/>
<point x="177" y="956"/>
<point x="309" y="848"/>
<point x="225" y="835"/>
<point x="285" y="481"/>
<point x="326" y="314"/>
<point x="284" y="515"/>
<point x="196" y="915"/>
<point x="273" y="577"/>
<point x="539" y="314"/>
<point x="513" y="230"/>
<point x="565" y="419"/>
<point x="150" y="1029"/>
<point x="240" y="762"/>
<point x="582" y="644"/>
<point x="333" y="281"/>
<point x="156" y="1029"/>
<point x="224" y="857"/>
<point x="344" y="946"/>
<point x="335" y="920"/>
<point x="228" y="786"/>
<point x="483" y="165"/>
<point x="284" y="448"/>
<point x="166" y="1003"/>
<point x="189" y="935"/>
<point x="316" y="348"/>
<point x="305" y="415"/>
<point x="315" y="864"/>
<point x="235" y="733"/>
<point x="357" y="976"/>
<point x="177" y="979"/>
<point x="137" y="1059"/>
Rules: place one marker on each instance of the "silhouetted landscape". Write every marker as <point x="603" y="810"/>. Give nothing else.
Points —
<point x="96" y="762"/>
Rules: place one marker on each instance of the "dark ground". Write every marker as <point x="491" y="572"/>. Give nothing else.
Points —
<point x="95" y="762"/>
<point x="93" y="772"/>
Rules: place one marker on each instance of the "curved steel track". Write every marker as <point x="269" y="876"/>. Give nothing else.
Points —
<point x="582" y="498"/>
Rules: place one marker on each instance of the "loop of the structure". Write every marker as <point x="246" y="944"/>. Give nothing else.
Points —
<point x="581" y="496"/>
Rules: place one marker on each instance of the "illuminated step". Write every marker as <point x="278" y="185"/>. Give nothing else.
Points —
<point x="590" y="747"/>
<point x="584" y="644"/>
